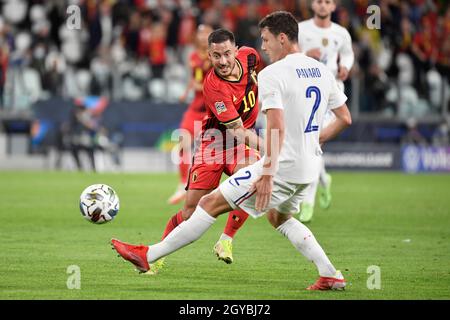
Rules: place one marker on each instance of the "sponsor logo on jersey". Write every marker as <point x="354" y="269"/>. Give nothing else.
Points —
<point x="324" y="42"/>
<point x="220" y="107"/>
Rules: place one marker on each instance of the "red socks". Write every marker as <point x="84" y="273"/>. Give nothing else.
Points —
<point x="172" y="223"/>
<point x="236" y="219"/>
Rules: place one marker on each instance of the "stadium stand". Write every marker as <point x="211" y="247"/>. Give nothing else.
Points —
<point x="134" y="52"/>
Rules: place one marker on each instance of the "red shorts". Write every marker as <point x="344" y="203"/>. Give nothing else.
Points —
<point x="206" y="175"/>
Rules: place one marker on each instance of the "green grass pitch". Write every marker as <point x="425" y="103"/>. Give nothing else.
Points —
<point x="398" y="222"/>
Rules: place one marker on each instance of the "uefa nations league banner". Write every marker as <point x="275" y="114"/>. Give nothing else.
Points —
<point x="362" y="156"/>
<point x="425" y="159"/>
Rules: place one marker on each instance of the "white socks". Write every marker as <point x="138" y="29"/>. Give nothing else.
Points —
<point x="225" y="237"/>
<point x="200" y="221"/>
<point x="305" y="242"/>
<point x="186" y="233"/>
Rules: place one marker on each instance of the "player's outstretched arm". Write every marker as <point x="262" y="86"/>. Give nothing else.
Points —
<point x="342" y="121"/>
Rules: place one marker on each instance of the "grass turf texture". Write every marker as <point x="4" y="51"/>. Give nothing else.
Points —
<point x="398" y="222"/>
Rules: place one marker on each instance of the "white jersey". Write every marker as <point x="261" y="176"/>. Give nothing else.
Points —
<point x="305" y="89"/>
<point x="333" y="42"/>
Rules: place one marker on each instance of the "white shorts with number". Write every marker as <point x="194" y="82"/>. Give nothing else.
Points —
<point x="286" y="196"/>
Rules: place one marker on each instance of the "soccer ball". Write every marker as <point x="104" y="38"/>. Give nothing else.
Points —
<point x="99" y="203"/>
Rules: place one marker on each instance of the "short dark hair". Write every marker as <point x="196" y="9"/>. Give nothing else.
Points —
<point x="281" y="22"/>
<point x="221" y="35"/>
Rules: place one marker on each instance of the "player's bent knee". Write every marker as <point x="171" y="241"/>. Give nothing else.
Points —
<point x="214" y="203"/>
<point x="276" y="219"/>
<point x="207" y="201"/>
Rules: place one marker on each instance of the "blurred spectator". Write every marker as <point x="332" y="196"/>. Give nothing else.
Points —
<point x="101" y="68"/>
<point x="83" y="131"/>
<point x="424" y="48"/>
<point x="131" y="34"/>
<point x="303" y="12"/>
<point x="374" y="80"/>
<point x="145" y="35"/>
<point x="247" y="31"/>
<point x="157" y="50"/>
<point x="127" y="44"/>
<point x="79" y="135"/>
<point x="100" y="24"/>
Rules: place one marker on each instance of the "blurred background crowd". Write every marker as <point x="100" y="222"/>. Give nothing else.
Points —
<point x="64" y="62"/>
<point x="132" y="49"/>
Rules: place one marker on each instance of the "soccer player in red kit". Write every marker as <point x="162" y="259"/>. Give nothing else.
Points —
<point x="196" y="111"/>
<point x="228" y="140"/>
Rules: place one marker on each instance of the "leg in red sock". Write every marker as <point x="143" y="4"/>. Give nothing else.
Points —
<point x="236" y="219"/>
<point x="185" y="159"/>
<point x="173" y="223"/>
<point x="183" y="168"/>
<point x="224" y="248"/>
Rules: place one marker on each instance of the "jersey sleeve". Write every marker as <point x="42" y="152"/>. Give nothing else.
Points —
<point x="346" y="54"/>
<point x="269" y="91"/>
<point x="337" y="98"/>
<point x="220" y="102"/>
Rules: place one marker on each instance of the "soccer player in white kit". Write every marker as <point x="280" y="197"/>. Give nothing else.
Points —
<point x="295" y="91"/>
<point x="327" y="42"/>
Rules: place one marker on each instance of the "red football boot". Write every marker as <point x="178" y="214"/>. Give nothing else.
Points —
<point x="329" y="283"/>
<point x="137" y="255"/>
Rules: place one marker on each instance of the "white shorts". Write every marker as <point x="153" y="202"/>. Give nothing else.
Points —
<point x="286" y="196"/>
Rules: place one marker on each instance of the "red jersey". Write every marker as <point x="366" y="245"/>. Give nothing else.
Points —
<point x="227" y="101"/>
<point x="200" y="67"/>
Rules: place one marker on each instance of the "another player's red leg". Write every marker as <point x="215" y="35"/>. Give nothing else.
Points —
<point x="192" y="199"/>
<point x="185" y="156"/>
<point x="173" y="222"/>
<point x="236" y="219"/>
<point x="224" y="248"/>
<point x="184" y="171"/>
<point x="185" y="161"/>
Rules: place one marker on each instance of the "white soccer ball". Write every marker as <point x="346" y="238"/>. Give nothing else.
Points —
<point x="99" y="203"/>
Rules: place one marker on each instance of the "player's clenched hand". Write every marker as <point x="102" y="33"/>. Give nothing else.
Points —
<point x="263" y="187"/>
<point x="342" y="73"/>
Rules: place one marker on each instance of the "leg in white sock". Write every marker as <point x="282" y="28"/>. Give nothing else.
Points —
<point x="305" y="242"/>
<point x="186" y="233"/>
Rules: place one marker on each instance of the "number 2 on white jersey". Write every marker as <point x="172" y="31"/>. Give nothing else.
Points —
<point x="309" y="91"/>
